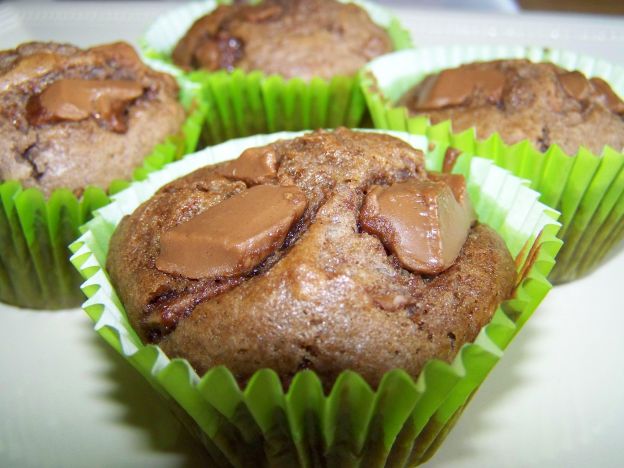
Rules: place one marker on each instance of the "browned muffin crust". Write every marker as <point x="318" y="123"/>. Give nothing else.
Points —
<point x="540" y="102"/>
<point x="52" y="153"/>
<point x="332" y="297"/>
<point x="291" y="38"/>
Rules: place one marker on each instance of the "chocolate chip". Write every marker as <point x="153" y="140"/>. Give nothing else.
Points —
<point x="544" y="140"/>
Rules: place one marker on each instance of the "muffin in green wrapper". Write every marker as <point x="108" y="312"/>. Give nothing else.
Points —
<point x="571" y="152"/>
<point x="76" y="124"/>
<point x="312" y="418"/>
<point x="274" y="65"/>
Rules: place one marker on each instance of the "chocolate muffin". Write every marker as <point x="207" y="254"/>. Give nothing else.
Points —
<point x="331" y="251"/>
<point x="521" y="100"/>
<point x="291" y="38"/>
<point x="73" y="117"/>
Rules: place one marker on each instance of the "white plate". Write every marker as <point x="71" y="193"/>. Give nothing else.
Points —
<point x="556" y="398"/>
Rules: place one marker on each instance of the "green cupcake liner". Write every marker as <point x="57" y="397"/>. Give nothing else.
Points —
<point x="404" y="419"/>
<point x="35" y="271"/>
<point x="245" y="103"/>
<point x="587" y="188"/>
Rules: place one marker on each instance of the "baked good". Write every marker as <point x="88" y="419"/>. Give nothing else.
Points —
<point x="291" y="38"/>
<point x="541" y="102"/>
<point x="72" y="117"/>
<point x="340" y="276"/>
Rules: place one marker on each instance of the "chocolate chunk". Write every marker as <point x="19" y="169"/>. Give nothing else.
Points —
<point x="74" y="100"/>
<point x="454" y="87"/>
<point x="450" y="158"/>
<point x="222" y="51"/>
<point x="424" y="223"/>
<point x="606" y="96"/>
<point x="29" y="68"/>
<point x="575" y="84"/>
<point x="203" y="33"/>
<point x="233" y="237"/>
<point x="254" y="166"/>
<point x="456" y="182"/>
<point x="207" y="55"/>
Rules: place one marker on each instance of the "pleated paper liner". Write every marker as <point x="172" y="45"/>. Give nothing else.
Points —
<point x="587" y="188"/>
<point x="245" y="103"/>
<point x="399" y="423"/>
<point x="35" y="271"/>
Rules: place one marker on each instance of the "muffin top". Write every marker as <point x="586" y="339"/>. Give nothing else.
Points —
<point x="72" y="117"/>
<point x="291" y="38"/>
<point x="521" y="100"/>
<point x="331" y="251"/>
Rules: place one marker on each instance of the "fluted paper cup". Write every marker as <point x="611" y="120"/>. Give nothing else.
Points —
<point x="399" y="423"/>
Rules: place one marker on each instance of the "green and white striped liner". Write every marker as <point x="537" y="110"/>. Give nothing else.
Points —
<point x="244" y="103"/>
<point x="587" y="188"/>
<point x="404" y="419"/>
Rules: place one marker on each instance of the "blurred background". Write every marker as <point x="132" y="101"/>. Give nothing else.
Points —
<point x="605" y="7"/>
<point x="578" y="6"/>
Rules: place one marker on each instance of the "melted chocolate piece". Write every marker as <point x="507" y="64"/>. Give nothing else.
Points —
<point x="606" y="96"/>
<point x="221" y="52"/>
<point x="456" y="182"/>
<point x="208" y="44"/>
<point x="424" y="223"/>
<point x="207" y="56"/>
<point x="233" y="237"/>
<point x="575" y="84"/>
<point x="28" y="68"/>
<point x="254" y="166"/>
<point x="450" y="158"/>
<point x="455" y="86"/>
<point x="74" y="100"/>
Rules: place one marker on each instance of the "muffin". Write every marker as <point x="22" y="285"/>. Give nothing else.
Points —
<point x="285" y="420"/>
<point x="274" y="65"/>
<point x="331" y="251"/>
<point x="75" y="123"/>
<point x="549" y="116"/>
<point x="291" y="38"/>
<point x="72" y="117"/>
<point x="520" y="100"/>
